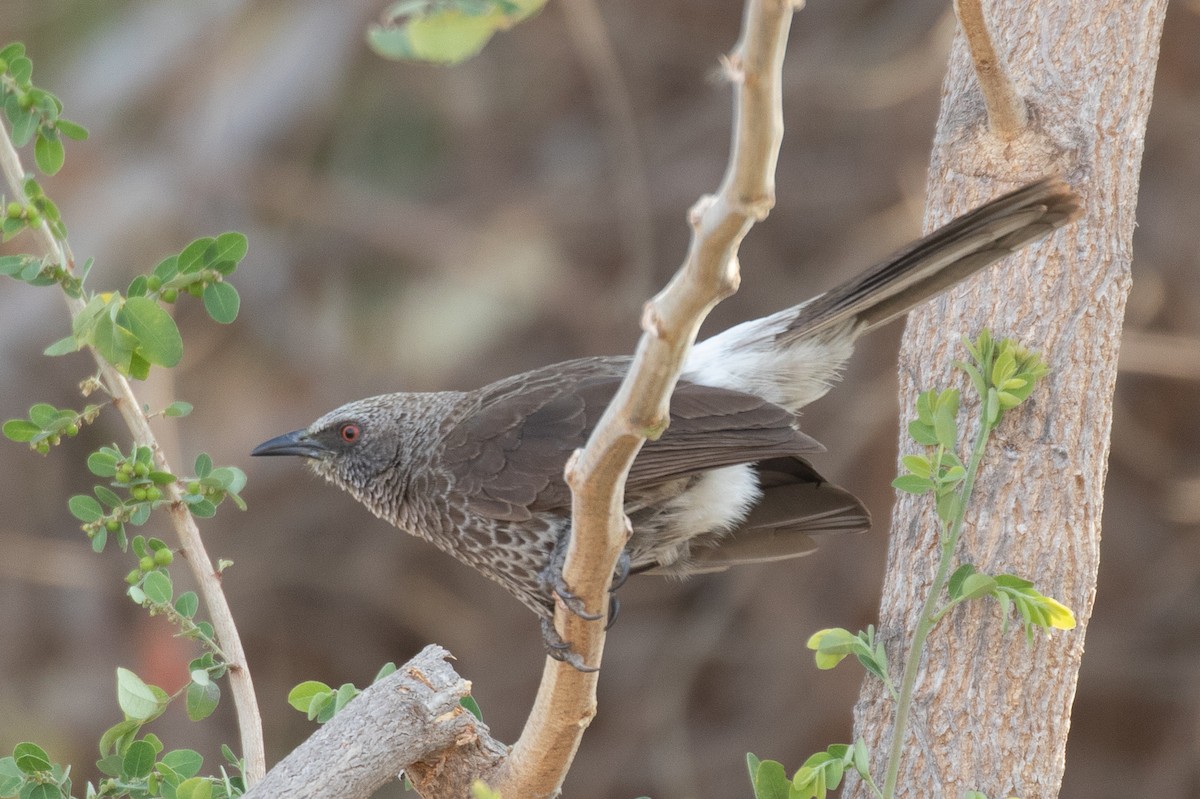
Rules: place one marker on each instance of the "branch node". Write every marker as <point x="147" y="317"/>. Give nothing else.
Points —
<point x="652" y="321"/>
<point x="699" y="208"/>
<point x="732" y="68"/>
<point x="1006" y="109"/>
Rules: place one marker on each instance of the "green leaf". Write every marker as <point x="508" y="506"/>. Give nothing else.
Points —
<point x="184" y="762"/>
<point x="64" y="346"/>
<point x="114" y="343"/>
<point x="752" y="762"/>
<point x="911" y="484"/>
<point x="228" y="248"/>
<point x="202" y="700"/>
<point x="917" y="464"/>
<point x="21" y="68"/>
<point x="222" y="302"/>
<point x="158" y="588"/>
<point x="472" y="706"/>
<point x="107" y="496"/>
<point x="945" y="419"/>
<point x="861" y="759"/>
<point x="136" y="699"/>
<point x="167" y="268"/>
<point x="48" y="153"/>
<point x="44" y="790"/>
<point x="138" y="287"/>
<point x="43" y="414"/>
<point x="13" y="265"/>
<point x="85" y="509"/>
<point x="949" y="506"/>
<point x="138" y="761"/>
<point x="24" y="124"/>
<point x="187" y="604"/>
<point x="117" y="737"/>
<point x="194" y="788"/>
<point x="158" y="336"/>
<point x="954" y="584"/>
<point x="178" y="408"/>
<point x="976" y="585"/>
<point x="102" y="464"/>
<point x="301" y="697"/>
<point x="11" y="777"/>
<point x="71" y="130"/>
<point x="204" y="509"/>
<point x="770" y="780"/>
<point x="832" y="645"/>
<point x="203" y="465"/>
<point x="20" y="430"/>
<point x="191" y="259"/>
<point x="228" y="478"/>
<point x="31" y="758"/>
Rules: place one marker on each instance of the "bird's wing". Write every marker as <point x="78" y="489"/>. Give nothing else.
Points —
<point x="506" y="456"/>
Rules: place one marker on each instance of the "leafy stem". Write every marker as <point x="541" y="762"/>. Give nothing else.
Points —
<point x="138" y="313"/>
<point x="929" y="614"/>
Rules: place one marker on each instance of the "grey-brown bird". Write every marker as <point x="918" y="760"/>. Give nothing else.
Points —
<point x="479" y="474"/>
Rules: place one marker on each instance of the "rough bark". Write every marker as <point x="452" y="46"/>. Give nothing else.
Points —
<point x="990" y="712"/>
<point x="410" y="721"/>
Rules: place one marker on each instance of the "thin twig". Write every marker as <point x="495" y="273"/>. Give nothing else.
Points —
<point x="1007" y="115"/>
<point x="566" y="700"/>
<point x="192" y="547"/>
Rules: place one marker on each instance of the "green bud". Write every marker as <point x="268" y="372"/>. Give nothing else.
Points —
<point x="72" y="430"/>
<point x="43" y="447"/>
<point x="196" y="289"/>
<point x="14" y="210"/>
<point x="170" y="295"/>
<point x="141" y="470"/>
<point x="153" y="494"/>
<point x="154" y="282"/>
<point x="146" y="564"/>
<point x="194" y="487"/>
<point x="133" y="576"/>
<point x="32" y="216"/>
<point x="139" y="493"/>
<point x="163" y="557"/>
<point x="112" y="525"/>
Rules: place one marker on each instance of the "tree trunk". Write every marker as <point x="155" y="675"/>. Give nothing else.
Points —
<point x="990" y="712"/>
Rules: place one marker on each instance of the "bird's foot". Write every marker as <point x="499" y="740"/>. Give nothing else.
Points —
<point x="552" y="578"/>
<point x="560" y="650"/>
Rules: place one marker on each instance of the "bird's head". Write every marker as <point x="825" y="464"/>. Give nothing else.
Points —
<point x="360" y="446"/>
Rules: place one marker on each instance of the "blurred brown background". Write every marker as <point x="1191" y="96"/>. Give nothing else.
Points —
<point x="415" y="227"/>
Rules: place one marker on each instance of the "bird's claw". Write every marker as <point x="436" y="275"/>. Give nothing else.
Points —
<point x="621" y="573"/>
<point x="560" y="650"/>
<point x="572" y="600"/>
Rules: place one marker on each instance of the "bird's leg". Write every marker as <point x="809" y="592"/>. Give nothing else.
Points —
<point x="560" y="650"/>
<point x="552" y="580"/>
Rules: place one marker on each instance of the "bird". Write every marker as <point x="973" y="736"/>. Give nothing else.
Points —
<point x="480" y="474"/>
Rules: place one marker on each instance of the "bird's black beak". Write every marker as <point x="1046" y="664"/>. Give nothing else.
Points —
<point x="296" y="442"/>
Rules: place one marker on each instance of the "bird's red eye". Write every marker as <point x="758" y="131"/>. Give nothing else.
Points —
<point x="349" y="433"/>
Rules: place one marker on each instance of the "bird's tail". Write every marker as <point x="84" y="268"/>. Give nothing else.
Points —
<point x="791" y="357"/>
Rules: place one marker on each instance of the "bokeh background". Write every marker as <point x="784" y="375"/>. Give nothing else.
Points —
<point x="414" y="227"/>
